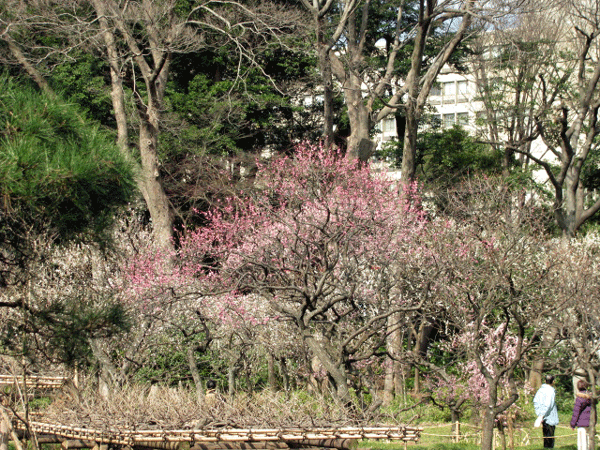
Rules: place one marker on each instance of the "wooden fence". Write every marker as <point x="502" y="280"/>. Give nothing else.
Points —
<point x="33" y="381"/>
<point x="211" y="439"/>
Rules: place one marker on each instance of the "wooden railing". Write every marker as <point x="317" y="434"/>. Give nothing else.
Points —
<point x="34" y="381"/>
<point x="213" y="439"/>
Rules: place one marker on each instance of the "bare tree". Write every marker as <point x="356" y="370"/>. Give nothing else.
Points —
<point x="507" y="64"/>
<point x="348" y="51"/>
<point x="497" y="295"/>
<point x="552" y="86"/>
<point x="579" y="324"/>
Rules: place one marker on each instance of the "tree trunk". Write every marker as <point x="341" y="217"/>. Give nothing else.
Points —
<point x="535" y="374"/>
<point x="191" y="357"/>
<point x="151" y="186"/>
<point x="422" y="341"/>
<point x="487" y="428"/>
<point x="392" y="368"/>
<point x="388" y="383"/>
<point x="29" y="68"/>
<point x="149" y="110"/>
<point x="231" y="372"/>
<point x="108" y="373"/>
<point x="283" y="373"/>
<point x="360" y="145"/>
<point x="272" y="379"/>
<point x="116" y="81"/>
<point x="327" y="81"/>
<point x="4" y="434"/>
<point x="413" y="108"/>
<point x="455" y="419"/>
<point x="537" y="367"/>
<point x="569" y="209"/>
<point x="409" y="152"/>
<point x="338" y="374"/>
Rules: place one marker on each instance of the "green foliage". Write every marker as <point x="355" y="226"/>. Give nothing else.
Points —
<point x="39" y="403"/>
<point x="56" y="168"/>
<point x="220" y="115"/>
<point x="169" y="364"/>
<point x="591" y="170"/>
<point x="226" y="108"/>
<point x="408" y="408"/>
<point x="448" y="155"/>
<point x="85" y="82"/>
<point x="62" y="330"/>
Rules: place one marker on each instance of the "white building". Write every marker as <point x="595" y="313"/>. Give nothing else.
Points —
<point x="453" y="100"/>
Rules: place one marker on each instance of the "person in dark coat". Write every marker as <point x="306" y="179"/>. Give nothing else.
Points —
<point x="581" y="414"/>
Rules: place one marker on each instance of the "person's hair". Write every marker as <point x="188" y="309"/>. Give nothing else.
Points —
<point x="582" y="385"/>
<point x="549" y="379"/>
<point x="211" y="384"/>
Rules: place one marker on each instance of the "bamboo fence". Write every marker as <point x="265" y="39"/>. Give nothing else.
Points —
<point x="214" y="439"/>
<point x="33" y="381"/>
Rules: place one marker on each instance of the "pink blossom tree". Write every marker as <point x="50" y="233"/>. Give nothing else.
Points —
<point x="322" y="243"/>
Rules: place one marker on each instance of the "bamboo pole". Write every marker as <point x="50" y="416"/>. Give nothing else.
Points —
<point x="36" y="381"/>
<point x="164" y="445"/>
<point x="339" y="444"/>
<point x="4" y="434"/>
<point x="259" y="445"/>
<point x="334" y="438"/>
<point x="77" y="443"/>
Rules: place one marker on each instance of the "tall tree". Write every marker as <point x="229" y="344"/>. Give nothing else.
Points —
<point x="373" y="77"/>
<point x="327" y="34"/>
<point x="507" y="63"/>
<point x="552" y="86"/>
<point x="61" y="181"/>
<point x="137" y="40"/>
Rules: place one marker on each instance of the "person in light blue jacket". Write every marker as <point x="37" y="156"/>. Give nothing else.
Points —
<point x="546" y="411"/>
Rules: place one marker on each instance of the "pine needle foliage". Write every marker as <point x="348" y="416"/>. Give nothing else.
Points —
<point x="56" y="167"/>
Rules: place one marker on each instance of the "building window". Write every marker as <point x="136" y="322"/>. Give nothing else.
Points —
<point x="491" y="85"/>
<point x="448" y="120"/>
<point x="389" y="125"/>
<point x="463" y="89"/>
<point x="436" y="90"/>
<point x="449" y="89"/>
<point x="462" y="118"/>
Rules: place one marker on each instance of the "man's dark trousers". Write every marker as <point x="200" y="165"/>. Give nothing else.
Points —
<point x="548" y="431"/>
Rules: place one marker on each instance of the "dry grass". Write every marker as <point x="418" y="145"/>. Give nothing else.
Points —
<point x="139" y="407"/>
